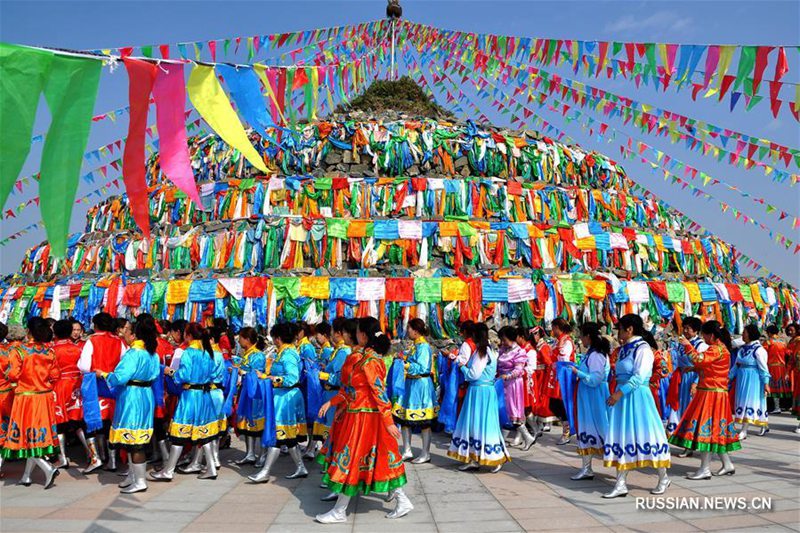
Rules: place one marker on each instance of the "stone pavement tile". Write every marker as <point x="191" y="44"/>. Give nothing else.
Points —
<point x="13" y="511"/>
<point x="495" y="526"/>
<point x="15" y="524"/>
<point x="722" y="523"/>
<point x="311" y="527"/>
<point x="675" y="526"/>
<point x="254" y="517"/>
<point x="73" y="513"/>
<point x="632" y="518"/>
<point x="789" y="519"/>
<point x="463" y="515"/>
<point x="576" y="519"/>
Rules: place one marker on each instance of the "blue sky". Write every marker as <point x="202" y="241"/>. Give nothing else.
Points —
<point x="103" y="24"/>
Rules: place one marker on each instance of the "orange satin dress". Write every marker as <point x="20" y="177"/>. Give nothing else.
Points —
<point x="6" y="388"/>
<point x="707" y="424"/>
<point x="32" y="424"/>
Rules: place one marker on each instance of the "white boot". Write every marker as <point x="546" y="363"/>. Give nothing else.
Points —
<point x="565" y="434"/>
<point x="215" y="448"/>
<point x="620" y="487"/>
<point x="197" y="462"/>
<point x="403" y="506"/>
<point x="163" y="450"/>
<point x="250" y="455"/>
<point x="727" y="465"/>
<point x="139" y="479"/>
<point x="111" y="465"/>
<point x="211" y="467"/>
<point x="63" y="462"/>
<point x="425" y="456"/>
<point x="704" y="472"/>
<point x="301" y="471"/>
<point x="528" y="440"/>
<point x="168" y="470"/>
<point x="50" y="472"/>
<point x="311" y="450"/>
<point x="516" y="441"/>
<point x="405" y="432"/>
<point x="129" y="479"/>
<point x="338" y="514"/>
<point x="262" y="476"/>
<point x="743" y="432"/>
<point x="472" y="465"/>
<point x="25" y="480"/>
<point x="586" y="471"/>
<point x="663" y="482"/>
<point x="82" y="437"/>
<point x="94" y="457"/>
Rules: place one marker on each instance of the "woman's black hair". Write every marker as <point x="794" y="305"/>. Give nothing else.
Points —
<point x="525" y="334"/>
<point x="4" y="331"/>
<point x="198" y="332"/>
<point x="285" y="331"/>
<point x="693" y="322"/>
<point x="342" y="325"/>
<point x="104" y="322"/>
<point x="418" y="325"/>
<point x="376" y="339"/>
<point x="178" y="325"/>
<point x="222" y="325"/>
<point x="305" y="327"/>
<point x="465" y="328"/>
<point x="508" y="333"/>
<point x="597" y="342"/>
<point x="562" y="324"/>
<point x="635" y="321"/>
<point x="752" y="332"/>
<point x="323" y="328"/>
<point x="120" y="323"/>
<point x="772" y="329"/>
<point x="62" y="329"/>
<point x="39" y="329"/>
<point x="480" y="336"/>
<point x="712" y="327"/>
<point x="252" y="335"/>
<point x="145" y="330"/>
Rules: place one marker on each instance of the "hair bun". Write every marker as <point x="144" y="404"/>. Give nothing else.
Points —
<point x="378" y="334"/>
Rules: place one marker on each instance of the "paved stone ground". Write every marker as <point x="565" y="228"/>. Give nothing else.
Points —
<point x="532" y="493"/>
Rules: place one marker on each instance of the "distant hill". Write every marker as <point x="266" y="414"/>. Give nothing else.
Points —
<point x="401" y="96"/>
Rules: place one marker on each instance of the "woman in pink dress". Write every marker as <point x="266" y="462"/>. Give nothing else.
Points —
<point x="511" y="369"/>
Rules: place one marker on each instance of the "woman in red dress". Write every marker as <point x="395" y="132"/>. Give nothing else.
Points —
<point x="6" y="386"/>
<point x="544" y="416"/>
<point x="793" y="363"/>
<point x="364" y="455"/>
<point x="69" y="410"/>
<point x="707" y="424"/>
<point x="564" y="352"/>
<point x="32" y="425"/>
<point x="780" y="383"/>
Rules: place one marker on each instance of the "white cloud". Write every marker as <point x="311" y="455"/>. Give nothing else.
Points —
<point x="660" y="21"/>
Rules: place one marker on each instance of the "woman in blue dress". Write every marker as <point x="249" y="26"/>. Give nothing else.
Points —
<point x="253" y="361"/>
<point x="333" y="357"/>
<point x="219" y="378"/>
<point x="592" y="411"/>
<point x="477" y="439"/>
<point x="319" y="432"/>
<point x="636" y="436"/>
<point x="418" y="407"/>
<point x="290" y="411"/>
<point x="752" y="382"/>
<point x="194" y="422"/>
<point x="133" y="377"/>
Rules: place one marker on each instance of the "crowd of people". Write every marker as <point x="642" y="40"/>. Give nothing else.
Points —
<point x="152" y="391"/>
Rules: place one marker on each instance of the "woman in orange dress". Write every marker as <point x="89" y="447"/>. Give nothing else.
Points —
<point x="69" y="411"/>
<point x="32" y="425"/>
<point x="707" y="424"/>
<point x="6" y="386"/>
<point x="364" y="455"/>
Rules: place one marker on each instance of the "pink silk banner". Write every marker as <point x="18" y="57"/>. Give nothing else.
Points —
<point x="170" y="95"/>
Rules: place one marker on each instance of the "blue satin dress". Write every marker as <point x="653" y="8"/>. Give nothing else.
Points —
<point x="194" y="421"/>
<point x="132" y="426"/>
<point x="418" y="406"/>
<point x="290" y="411"/>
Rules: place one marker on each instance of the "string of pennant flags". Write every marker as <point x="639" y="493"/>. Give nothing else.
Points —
<point x="724" y="207"/>
<point x="662" y="159"/>
<point x="615" y="59"/>
<point x="649" y="119"/>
